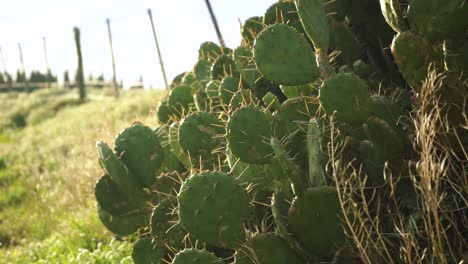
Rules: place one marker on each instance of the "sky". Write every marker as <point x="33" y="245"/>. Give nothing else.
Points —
<point x="181" y="26"/>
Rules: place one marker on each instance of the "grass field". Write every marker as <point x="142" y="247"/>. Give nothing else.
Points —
<point x="48" y="168"/>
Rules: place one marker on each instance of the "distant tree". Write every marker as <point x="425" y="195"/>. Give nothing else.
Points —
<point x="8" y="78"/>
<point x="100" y="77"/>
<point x="20" y="76"/>
<point x="91" y="77"/>
<point x="66" y="78"/>
<point x="2" y="79"/>
<point x="51" y="77"/>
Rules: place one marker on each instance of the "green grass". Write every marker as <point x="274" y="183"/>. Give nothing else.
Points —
<point x="47" y="207"/>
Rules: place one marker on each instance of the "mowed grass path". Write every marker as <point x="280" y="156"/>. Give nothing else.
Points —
<point x="47" y="205"/>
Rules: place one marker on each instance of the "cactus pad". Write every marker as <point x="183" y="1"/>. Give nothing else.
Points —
<point x="116" y="169"/>
<point x="227" y="88"/>
<point x="202" y="71"/>
<point x="251" y="28"/>
<point x="212" y="208"/>
<point x="348" y="96"/>
<point x="199" y="135"/>
<point x="413" y="53"/>
<point x="223" y="66"/>
<point x="266" y="249"/>
<point x="248" y="135"/>
<point x="283" y="56"/>
<point x="195" y="256"/>
<point x="209" y="51"/>
<point x="180" y="100"/>
<point x="111" y="199"/>
<point x="122" y="225"/>
<point x="315" y="220"/>
<point x="315" y="22"/>
<point x="145" y="252"/>
<point x="141" y="151"/>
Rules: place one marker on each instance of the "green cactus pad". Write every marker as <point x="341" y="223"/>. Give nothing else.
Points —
<point x="266" y="249"/>
<point x="248" y="135"/>
<point x="342" y="39"/>
<point x="297" y="177"/>
<point x="212" y="89"/>
<point x="307" y="90"/>
<point x="280" y="203"/>
<point x="164" y="112"/>
<point x="145" y="252"/>
<point x="283" y="12"/>
<point x="456" y="57"/>
<point x="200" y="135"/>
<point x="191" y="80"/>
<point x="280" y="12"/>
<point x="119" y="173"/>
<point x="391" y="113"/>
<point x="314" y="138"/>
<point x="212" y="208"/>
<point x="251" y="28"/>
<point x="271" y="101"/>
<point x="180" y="100"/>
<point x="290" y="124"/>
<point x="171" y="163"/>
<point x="167" y="185"/>
<point x="388" y="146"/>
<point x="241" y="56"/>
<point x="437" y="19"/>
<point x="223" y="66"/>
<point x="141" y="151"/>
<point x="111" y="199"/>
<point x="163" y="223"/>
<point x="249" y="174"/>
<point x="413" y="54"/>
<point x="195" y="256"/>
<point x="283" y="56"/>
<point x="202" y="71"/>
<point x="122" y="225"/>
<point x="315" y="220"/>
<point x="348" y="96"/>
<point x="393" y="15"/>
<point x="314" y="20"/>
<point x="175" y="145"/>
<point x="242" y="98"/>
<point x="209" y="51"/>
<point x="177" y="79"/>
<point x="228" y="87"/>
<point x="202" y="102"/>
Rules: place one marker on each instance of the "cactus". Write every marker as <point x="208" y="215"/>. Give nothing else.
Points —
<point x="283" y="56"/>
<point x="195" y="256"/>
<point x="248" y="134"/>
<point x="145" y="252"/>
<point x="314" y="220"/>
<point x="267" y="249"/>
<point x="257" y="147"/>
<point x="199" y="136"/>
<point x="223" y="66"/>
<point x="353" y="108"/>
<point x="208" y="214"/>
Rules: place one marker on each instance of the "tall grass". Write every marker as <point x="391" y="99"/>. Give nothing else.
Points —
<point x="54" y="160"/>
<point x="434" y="186"/>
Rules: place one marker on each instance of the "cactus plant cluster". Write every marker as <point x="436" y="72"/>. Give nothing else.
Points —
<point x="242" y="168"/>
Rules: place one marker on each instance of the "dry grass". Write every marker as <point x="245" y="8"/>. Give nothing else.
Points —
<point x="381" y="227"/>
<point x="56" y="161"/>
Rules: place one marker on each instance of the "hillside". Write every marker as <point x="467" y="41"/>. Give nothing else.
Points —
<point x="48" y="168"/>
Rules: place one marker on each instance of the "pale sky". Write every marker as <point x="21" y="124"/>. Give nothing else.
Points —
<point x="181" y="26"/>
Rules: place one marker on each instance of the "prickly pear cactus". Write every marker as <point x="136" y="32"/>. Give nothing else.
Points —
<point x="244" y="166"/>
